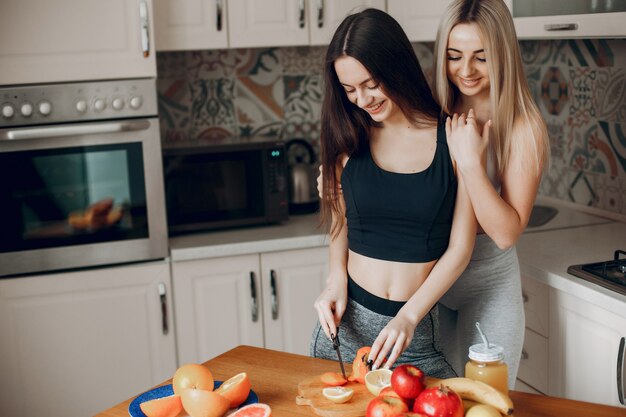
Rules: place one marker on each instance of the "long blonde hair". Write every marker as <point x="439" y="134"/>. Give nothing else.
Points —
<point x="517" y="124"/>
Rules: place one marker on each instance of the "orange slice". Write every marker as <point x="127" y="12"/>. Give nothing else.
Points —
<point x="377" y="380"/>
<point x="235" y="389"/>
<point x="338" y="395"/>
<point x="162" y="407"/>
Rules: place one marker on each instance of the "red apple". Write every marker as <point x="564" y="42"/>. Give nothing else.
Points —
<point x="390" y="392"/>
<point x="439" y="402"/>
<point x="408" y="381"/>
<point x="386" y="406"/>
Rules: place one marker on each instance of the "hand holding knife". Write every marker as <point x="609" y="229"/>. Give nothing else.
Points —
<point x="336" y="344"/>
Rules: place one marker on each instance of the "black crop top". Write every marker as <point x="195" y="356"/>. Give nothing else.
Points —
<point x="396" y="216"/>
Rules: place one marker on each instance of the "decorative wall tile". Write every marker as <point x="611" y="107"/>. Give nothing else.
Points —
<point x="554" y="90"/>
<point x="303" y="101"/>
<point x="615" y="135"/>
<point x="610" y="192"/>
<point x="545" y="52"/>
<point x="263" y="65"/>
<point x="610" y="94"/>
<point x="171" y="64"/>
<point x="212" y="109"/>
<point x="591" y="52"/>
<point x="618" y="46"/>
<point x="581" y="189"/>
<point x="174" y="100"/>
<point x="424" y="52"/>
<point x="582" y="85"/>
<point x="303" y="60"/>
<point x="259" y="107"/>
<point x="591" y="153"/>
<point x="533" y="76"/>
<point x="212" y="64"/>
<point x="555" y="182"/>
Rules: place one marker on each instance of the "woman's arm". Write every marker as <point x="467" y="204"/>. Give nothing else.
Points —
<point x="503" y="216"/>
<point x="398" y="333"/>
<point x="331" y="303"/>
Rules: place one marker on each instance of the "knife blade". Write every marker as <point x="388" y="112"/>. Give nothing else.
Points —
<point x="336" y="344"/>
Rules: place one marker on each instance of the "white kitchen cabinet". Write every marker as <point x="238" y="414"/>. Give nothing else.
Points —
<point x="539" y="19"/>
<point x="258" y="23"/>
<point x="190" y="24"/>
<point x="44" y="41"/>
<point x="584" y="348"/>
<point x="74" y="343"/>
<point x="418" y="18"/>
<point x="261" y="299"/>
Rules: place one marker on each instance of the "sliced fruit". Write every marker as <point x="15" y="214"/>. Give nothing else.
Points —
<point x="338" y="395"/>
<point x="253" y="410"/>
<point x="162" y="407"/>
<point x="192" y="375"/>
<point x="201" y="403"/>
<point x="235" y="389"/>
<point x="333" y="379"/>
<point x="360" y="365"/>
<point x="377" y="379"/>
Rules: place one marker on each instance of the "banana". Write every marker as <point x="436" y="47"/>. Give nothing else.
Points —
<point x="480" y="392"/>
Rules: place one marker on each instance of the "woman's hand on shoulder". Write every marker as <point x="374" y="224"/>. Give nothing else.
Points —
<point x="465" y="141"/>
<point x="331" y="303"/>
<point x="395" y="337"/>
<point x="320" y="184"/>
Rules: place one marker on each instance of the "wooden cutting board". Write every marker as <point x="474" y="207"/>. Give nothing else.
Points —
<point x="310" y="393"/>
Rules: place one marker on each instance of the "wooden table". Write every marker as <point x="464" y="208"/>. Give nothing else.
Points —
<point x="275" y="377"/>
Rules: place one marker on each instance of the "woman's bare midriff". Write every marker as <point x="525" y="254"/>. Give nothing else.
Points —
<point x="391" y="280"/>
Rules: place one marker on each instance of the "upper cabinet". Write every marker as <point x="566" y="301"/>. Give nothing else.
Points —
<point x="74" y="40"/>
<point x="190" y="24"/>
<point x="216" y="24"/>
<point x="418" y="18"/>
<point x="536" y="19"/>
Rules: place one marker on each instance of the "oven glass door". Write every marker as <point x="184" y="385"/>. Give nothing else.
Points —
<point x="81" y="195"/>
<point x="72" y="196"/>
<point x="214" y="189"/>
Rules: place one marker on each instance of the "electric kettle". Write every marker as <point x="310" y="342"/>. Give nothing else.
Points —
<point x="303" y="197"/>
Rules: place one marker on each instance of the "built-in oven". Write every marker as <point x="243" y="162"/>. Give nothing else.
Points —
<point x="82" y="181"/>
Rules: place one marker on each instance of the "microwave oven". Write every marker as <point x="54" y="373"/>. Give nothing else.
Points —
<point x="227" y="183"/>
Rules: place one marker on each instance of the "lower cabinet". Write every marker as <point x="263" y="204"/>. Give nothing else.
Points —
<point x="585" y="350"/>
<point x="74" y="343"/>
<point x="262" y="299"/>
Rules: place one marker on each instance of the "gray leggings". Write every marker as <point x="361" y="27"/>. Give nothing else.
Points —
<point x="490" y="292"/>
<point x="360" y="326"/>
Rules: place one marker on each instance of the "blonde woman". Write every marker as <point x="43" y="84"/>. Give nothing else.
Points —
<point x="478" y="72"/>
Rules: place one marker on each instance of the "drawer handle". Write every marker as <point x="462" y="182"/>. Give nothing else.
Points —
<point x="524" y="298"/>
<point x="218" y="4"/>
<point x="320" y="13"/>
<point x="274" y="296"/>
<point x="163" y="301"/>
<point x="620" y="371"/>
<point x="301" y="18"/>
<point x="552" y="27"/>
<point x="255" y="304"/>
<point x="145" y="28"/>
<point x="524" y="355"/>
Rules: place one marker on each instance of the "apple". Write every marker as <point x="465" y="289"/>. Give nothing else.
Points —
<point x="386" y="406"/>
<point x="408" y="381"/>
<point x="390" y="392"/>
<point x="439" y="401"/>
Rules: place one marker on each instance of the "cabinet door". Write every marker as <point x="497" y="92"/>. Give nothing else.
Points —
<point x="292" y="280"/>
<point x="583" y="348"/>
<point x="325" y="16"/>
<point x="74" y="343"/>
<point x="255" y="23"/>
<point x="418" y="18"/>
<point x="217" y="306"/>
<point x="190" y="24"/>
<point x="74" y="40"/>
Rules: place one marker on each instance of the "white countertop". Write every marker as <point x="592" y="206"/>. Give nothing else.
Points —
<point x="546" y="256"/>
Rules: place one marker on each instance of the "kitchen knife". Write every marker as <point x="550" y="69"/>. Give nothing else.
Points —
<point x="336" y="344"/>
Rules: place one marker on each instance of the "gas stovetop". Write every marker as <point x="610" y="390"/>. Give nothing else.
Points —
<point x="609" y="274"/>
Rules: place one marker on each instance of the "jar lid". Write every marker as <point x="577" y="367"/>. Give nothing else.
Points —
<point x="481" y="353"/>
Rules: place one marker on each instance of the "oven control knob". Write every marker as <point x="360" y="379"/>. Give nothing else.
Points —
<point x="26" y="109"/>
<point x="8" y="111"/>
<point x="45" y="108"/>
<point x="81" y="106"/>
<point x="136" y="102"/>
<point x="118" y="103"/>
<point x="99" y="104"/>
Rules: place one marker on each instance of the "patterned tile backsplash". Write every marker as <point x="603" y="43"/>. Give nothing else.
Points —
<point x="579" y="85"/>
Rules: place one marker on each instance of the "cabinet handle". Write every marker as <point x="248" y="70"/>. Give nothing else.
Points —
<point x="255" y="304"/>
<point x="301" y="18"/>
<point x="320" y="13"/>
<point x="620" y="371"/>
<point x="219" y="6"/>
<point x="145" y="28"/>
<point x="524" y="355"/>
<point x="553" y="27"/>
<point x="274" y="295"/>
<point x="163" y="300"/>
<point x="524" y="298"/>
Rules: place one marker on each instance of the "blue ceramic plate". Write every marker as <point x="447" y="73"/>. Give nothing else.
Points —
<point x="166" y="391"/>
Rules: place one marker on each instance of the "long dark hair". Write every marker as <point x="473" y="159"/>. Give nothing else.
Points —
<point x="378" y="42"/>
